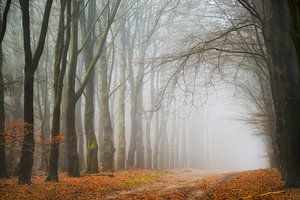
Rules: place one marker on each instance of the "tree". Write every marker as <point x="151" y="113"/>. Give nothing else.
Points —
<point x="88" y="29"/>
<point x="122" y="141"/>
<point x="3" y="21"/>
<point x="31" y="64"/>
<point x="61" y="52"/>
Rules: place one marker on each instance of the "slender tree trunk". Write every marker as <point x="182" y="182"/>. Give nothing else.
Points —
<point x="176" y="143"/>
<point x="80" y="133"/>
<point x="108" y="140"/>
<point x="61" y="52"/>
<point x="73" y="160"/>
<point x="3" y="172"/>
<point x="91" y="141"/>
<point x="148" y="144"/>
<point x="45" y="115"/>
<point x="122" y="90"/>
<point x="173" y="139"/>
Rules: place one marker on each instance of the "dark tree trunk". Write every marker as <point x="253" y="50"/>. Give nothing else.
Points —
<point x="61" y="51"/>
<point x="71" y="137"/>
<point x="3" y="172"/>
<point x="31" y="63"/>
<point x="284" y="69"/>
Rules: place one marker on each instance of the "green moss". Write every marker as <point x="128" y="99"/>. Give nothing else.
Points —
<point x="138" y="181"/>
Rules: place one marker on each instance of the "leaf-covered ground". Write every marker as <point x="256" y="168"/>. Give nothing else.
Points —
<point x="147" y="184"/>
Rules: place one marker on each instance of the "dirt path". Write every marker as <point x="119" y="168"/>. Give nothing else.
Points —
<point x="176" y="184"/>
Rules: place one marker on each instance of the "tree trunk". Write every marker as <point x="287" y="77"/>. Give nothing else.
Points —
<point x="108" y="140"/>
<point x="31" y="63"/>
<point x="157" y="141"/>
<point x="122" y="90"/>
<point x="73" y="160"/>
<point x="61" y="52"/>
<point x="80" y="133"/>
<point x="91" y="141"/>
<point x="284" y="70"/>
<point x="3" y="172"/>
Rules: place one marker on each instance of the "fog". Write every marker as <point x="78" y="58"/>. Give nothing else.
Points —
<point x="223" y="140"/>
<point x="138" y="84"/>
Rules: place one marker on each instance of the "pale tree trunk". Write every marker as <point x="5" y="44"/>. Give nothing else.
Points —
<point x="173" y="134"/>
<point x="183" y="146"/>
<point x="176" y="142"/>
<point x="133" y="135"/>
<point x="80" y="133"/>
<point x="157" y="132"/>
<point x="122" y="90"/>
<point x="108" y="140"/>
<point x="45" y="114"/>
<point x="164" y="146"/>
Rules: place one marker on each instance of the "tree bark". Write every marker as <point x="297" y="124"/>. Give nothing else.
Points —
<point x="122" y="90"/>
<point x="61" y="52"/>
<point x="31" y="63"/>
<point x="284" y="70"/>
<point x="108" y="141"/>
<point x="72" y="152"/>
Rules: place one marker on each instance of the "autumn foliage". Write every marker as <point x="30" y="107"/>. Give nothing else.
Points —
<point x="152" y="185"/>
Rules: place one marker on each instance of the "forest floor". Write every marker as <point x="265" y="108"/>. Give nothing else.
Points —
<point x="149" y="184"/>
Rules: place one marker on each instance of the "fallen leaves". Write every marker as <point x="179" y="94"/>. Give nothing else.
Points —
<point x="152" y="185"/>
<point x="254" y="185"/>
<point x="85" y="187"/>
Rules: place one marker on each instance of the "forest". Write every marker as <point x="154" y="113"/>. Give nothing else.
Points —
<point x="150" y="99"/>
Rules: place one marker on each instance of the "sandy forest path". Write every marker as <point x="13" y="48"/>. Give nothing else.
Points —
<point x="175" y="184"/>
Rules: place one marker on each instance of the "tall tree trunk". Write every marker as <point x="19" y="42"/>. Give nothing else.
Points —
<point x="284" y="70"/>
<point x="183" y="146"/>
<point x="164" y="146"/>
<point x="176" y="143"/>
<point x="173" y="138"/>
<point x="31" y="63"/>
<point x="3" y="172"/>
<point x="91" y="141"/>
<point x="72" y="152"/>
<point x="61" y="52"/>
<point x="45" y="115"/>
<point x="122" y="90"/>
<point x="80" y="133"/>
<point x="108" y="140"/>
<point x="157" y="133"/>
